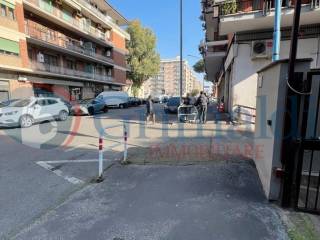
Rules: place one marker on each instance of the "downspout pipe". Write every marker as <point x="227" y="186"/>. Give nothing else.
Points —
<point x="277" y="31"/>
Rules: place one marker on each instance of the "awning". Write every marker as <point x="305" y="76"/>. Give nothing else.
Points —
<point x="55" y="82"/>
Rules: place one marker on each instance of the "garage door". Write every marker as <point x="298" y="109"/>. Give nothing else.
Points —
<point x="4" y="96"/>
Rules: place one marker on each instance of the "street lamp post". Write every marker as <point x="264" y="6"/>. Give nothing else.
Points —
<point x="181" y="48"/>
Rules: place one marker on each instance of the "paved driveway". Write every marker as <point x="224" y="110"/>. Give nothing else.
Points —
<point x="212" y="201"/>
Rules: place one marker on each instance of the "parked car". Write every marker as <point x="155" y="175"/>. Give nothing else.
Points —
<point x="164" y="99"/>
<point x="114" y="99"/>
<point x="89" y="107"/>
<point x="172" y="105"/>
<point x="8" y="102"/>
<point x="133" y="101"/>
<point x="156" y="100"/>
<point x="26" y="112"/>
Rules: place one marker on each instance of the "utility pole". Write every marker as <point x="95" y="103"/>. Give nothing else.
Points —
<point x="181" y="48"/>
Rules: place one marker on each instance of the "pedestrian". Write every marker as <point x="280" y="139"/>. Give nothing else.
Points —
<point x="202" y="103"/>
<point x="150" y="111"/>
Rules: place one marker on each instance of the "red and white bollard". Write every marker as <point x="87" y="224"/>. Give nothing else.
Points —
<point x="125" y="136"/>
<point x="100" y="158"/>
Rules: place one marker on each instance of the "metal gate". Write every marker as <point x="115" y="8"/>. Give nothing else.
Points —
<point x="301" y="144"/>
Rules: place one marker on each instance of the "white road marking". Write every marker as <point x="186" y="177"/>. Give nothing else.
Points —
<point x="59" y="173"/>
<point x="46" y="165"/>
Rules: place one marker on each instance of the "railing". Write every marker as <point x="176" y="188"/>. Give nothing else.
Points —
<point x="72" y="21"/>
<point x="44" y="67"/>
<point x="244" y="114"/>
<point x="45" y="34"/>
<point x="229" y="7"/>
<point x="97" y="12"/>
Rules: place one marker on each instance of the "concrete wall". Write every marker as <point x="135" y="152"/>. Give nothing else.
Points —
<point x="271" y="98"/>
<point x="244" y="77"/>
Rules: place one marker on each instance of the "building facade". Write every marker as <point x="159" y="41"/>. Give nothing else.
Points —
<point x="167" y="82"/>
<point x="61" y="47"/>
<point x="238" y="43"/>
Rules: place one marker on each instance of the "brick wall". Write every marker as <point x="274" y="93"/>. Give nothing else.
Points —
<point x="118" y="41"/>
<point x="20" y="89"/>
<point x="120" y="76"/>
<point x="24" y="53"/>
<point x="119" y="59"/>
<point x="20" y="16"/>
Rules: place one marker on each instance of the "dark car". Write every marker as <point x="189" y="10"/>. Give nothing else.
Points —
<point x="89" y="107"/>
<point x="133" y="101"/>
<point x="172" y="105"/>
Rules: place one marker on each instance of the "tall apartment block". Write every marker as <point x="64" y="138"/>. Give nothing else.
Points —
<point x="74" y="48"/>
<point x="238" y="43"/>
<point x="167" y="82"/>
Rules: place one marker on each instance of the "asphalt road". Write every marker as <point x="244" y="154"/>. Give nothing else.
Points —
<point x="44" y="166"/>
<point x="29" y="190"/>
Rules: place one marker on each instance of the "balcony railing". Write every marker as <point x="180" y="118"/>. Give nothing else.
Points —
<point x="97" y="12"/>
<point x="45" y="34"/>
<point x="80" y="25"/>
<point x="44" y="67"/>
<point x="242" y="6"/>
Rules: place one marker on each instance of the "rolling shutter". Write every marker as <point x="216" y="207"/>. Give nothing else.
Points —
<point x="9" y="46"/>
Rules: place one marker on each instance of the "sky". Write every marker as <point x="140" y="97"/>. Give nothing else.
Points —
<point x="162" y="16"/>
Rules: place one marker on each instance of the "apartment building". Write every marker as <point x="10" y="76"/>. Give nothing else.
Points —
<point x="74" y="48"/>
<point x="238" y="43"/>
<point x="167" y="82"/>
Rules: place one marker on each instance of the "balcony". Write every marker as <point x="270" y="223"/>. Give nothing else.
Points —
<point x="69" y="73"/>
<point x="214" y="53"/>
<point x="102" y="18"/>
<point x="58" y="41"/>
<point x="54" y="14"/>
<point x="249" y="15"/>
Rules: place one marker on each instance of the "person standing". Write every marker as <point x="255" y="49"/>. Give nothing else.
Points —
<point x="150" y="110"/>
<point x="202" y="103"/>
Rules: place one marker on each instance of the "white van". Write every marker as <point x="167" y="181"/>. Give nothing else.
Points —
<point x="115" y="98"/>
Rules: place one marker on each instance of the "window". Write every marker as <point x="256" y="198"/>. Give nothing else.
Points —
<point x="11" y="13"/>
<point x="51" y="102"/>
<point x="9" y="47"/>
<point x="3" y="10"/>
<point x="42" y="102"/>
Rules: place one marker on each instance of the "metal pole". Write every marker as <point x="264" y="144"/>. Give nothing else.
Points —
<point x="277" y="31"/>
<point x="288" y="160"/>
<point x="294" y="40"/>
<point x="181" y="48"/>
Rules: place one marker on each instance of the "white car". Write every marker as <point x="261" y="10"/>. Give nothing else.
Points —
<point x="114" y="98"/>
<point x="26" y="112"/>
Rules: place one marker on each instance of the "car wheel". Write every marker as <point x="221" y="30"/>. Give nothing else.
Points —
<point x="105" y="109"/>
<point x="91" y="111"/>
<point x="121" y="106"/>
<point x="26" y="121"/>
<point x="63" y="115"/>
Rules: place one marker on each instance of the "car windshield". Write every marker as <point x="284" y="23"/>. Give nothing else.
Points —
<point x="20" y="103"/>
<point x="174" y="101"/>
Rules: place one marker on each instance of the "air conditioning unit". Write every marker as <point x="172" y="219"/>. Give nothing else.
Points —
<point x="261" y="49"/>
<point x="79" y="14"/>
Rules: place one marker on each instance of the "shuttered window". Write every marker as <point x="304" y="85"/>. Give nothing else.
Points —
<point x="7" y="3"/>
<point x="8" y="46"/>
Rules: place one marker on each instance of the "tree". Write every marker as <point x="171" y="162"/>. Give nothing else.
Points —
<point x="194" y="92"/>
<point x="198" y="67"/>
<point x="143" y="58"/>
